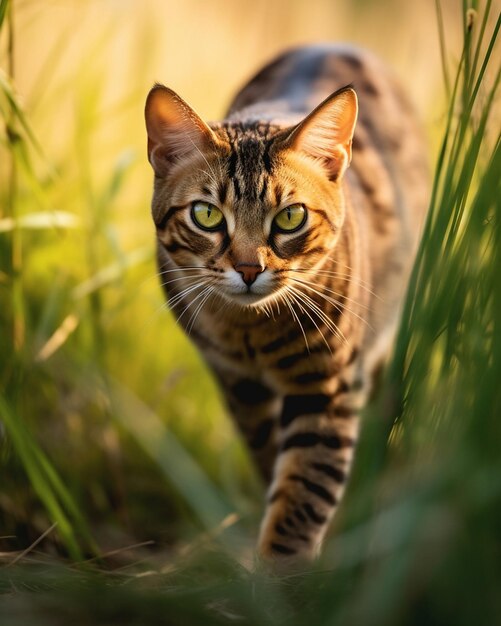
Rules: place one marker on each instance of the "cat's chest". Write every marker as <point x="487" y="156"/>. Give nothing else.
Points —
<point x="241" y="345"/>
<point x="285" y="355"/>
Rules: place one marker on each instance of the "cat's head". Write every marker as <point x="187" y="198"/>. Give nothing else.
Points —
<point x="250" y="204"/>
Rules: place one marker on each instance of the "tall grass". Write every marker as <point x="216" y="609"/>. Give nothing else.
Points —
<point x="417" y="540"/>
<point x="42" y="475"/>
<point x="69" y="351"/>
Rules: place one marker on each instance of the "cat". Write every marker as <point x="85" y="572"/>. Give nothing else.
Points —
<point x="285" y="236"/>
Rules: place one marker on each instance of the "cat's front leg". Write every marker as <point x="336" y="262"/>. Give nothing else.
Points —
<point x="256" y="410"/>
<point x="313" y="464"/>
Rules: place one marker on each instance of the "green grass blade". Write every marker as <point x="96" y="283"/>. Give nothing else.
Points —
<point x="177" y="465"/>
<point x="41" y="475"/>
<point x="4" y="7"/>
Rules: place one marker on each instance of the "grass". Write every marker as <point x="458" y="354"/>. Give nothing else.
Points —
<point x="143" y="500"/>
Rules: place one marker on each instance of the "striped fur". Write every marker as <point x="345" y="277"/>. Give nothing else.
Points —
<point x="296" y="350"/>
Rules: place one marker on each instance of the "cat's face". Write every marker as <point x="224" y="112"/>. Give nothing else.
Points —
<point x="247" y="208"/>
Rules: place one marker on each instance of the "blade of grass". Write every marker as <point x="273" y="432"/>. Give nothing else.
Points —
<point x="176" y="463"/>
<point x="4" y="7"/>
<point x="41" y="220"/>
<point x="44" y="480"/>
<point x="441" y="38"/>
<point x="22" y="554"/>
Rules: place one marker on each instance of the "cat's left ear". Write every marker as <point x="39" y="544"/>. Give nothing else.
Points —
<point x="175" y="131"/>
<point x="326" y="133"/>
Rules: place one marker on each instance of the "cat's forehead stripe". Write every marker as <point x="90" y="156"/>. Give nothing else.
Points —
<point x="278" y="194"/>
<point x="264" y="189"/>
<point x="222" y="192"/>
<point x="249" y="162"/>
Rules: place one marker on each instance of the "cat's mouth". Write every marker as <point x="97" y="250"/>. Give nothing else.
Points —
<point x="262" y="290"/>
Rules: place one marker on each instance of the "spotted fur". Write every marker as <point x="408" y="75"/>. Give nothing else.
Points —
<point x="293" y="325"/>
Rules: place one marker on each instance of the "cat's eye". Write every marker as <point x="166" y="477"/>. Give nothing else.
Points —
<point x="291" y="218"/>
<point x="207" y="216"/>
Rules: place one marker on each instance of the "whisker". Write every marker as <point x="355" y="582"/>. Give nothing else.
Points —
<point x="158" y="275"/>
<point x="186" y="278"/>
<point x="309" y="284"/>
<point x="174" y="301"/>
<point x="303" y="306"/>
<point x="349" y="278"/>
<point x="193" y="282"/>
<point x="295" y="317"/>
<point x="313" y="306"/>
<point x="195" y="299"/>
<point x="263" y="308"/>
<point x="194" y="316"/>
<point x="322" y="315"/>
<point x="334" y="274"/>
<point x="181" y="269"/>
<point x="305" y="301"/>
<point x="339" y="307"/>
<point x="353" y="278"/>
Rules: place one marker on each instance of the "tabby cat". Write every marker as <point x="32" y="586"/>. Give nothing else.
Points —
<point x="285" y="266"/>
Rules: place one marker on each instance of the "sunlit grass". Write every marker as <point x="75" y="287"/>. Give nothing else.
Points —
<point x="114" y="432"/>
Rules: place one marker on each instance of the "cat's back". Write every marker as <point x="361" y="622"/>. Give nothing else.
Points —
<point x="296" y="81"/>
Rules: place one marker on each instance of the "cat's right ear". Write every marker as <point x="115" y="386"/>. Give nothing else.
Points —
<point x="326" y="134"/>
<point x="174" y="129"/>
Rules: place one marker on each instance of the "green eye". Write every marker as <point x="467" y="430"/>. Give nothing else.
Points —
<point x="291" y="218"/>
<point x="206" y="216"/>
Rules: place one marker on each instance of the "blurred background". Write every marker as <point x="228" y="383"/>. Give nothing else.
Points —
<point x="112" y="426"/>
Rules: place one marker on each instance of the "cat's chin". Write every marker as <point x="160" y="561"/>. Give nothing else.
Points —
<point x="250" y="300"/>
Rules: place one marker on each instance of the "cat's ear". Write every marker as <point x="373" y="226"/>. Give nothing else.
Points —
<point x="174" y="129"/>
<point x="326" y="133"/>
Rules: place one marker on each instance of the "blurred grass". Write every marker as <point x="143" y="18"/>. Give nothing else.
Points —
<point x="111" y="426"/>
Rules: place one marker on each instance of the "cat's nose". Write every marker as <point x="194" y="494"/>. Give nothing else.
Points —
<point x="249" y="272"/>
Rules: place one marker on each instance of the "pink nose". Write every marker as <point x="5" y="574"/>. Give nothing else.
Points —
<point x="249" y="272"/>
